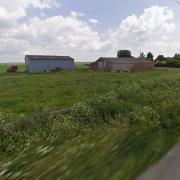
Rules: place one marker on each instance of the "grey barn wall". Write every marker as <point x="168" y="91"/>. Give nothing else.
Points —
<point x="36" y="66"/>
<point x="27" y="64"/>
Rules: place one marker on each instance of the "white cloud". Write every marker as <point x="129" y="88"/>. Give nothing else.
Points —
<point x="69" y="35"/>
<point x="142" y="32"/>
<point x="75" y="14"/>
<point x="44" y="3"/>
<point x="93" y="21"/>
<point x="153" y="20"/>
<point x="55" y="35"/>
<point x="14" y="4"/>
<point x="8" y="18"/>
<point x="12" y="10"/>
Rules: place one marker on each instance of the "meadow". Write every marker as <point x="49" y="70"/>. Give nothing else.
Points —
<point x="86" y="125"/>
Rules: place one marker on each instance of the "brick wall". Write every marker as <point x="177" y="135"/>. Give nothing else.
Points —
<point x="139" y="67"/>
<point x="143" y="66"/>
<point x="94" y="67"/>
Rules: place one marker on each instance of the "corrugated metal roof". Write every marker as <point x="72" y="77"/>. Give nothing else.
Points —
<point x="48" y="57"/>
<point x="122" y="60"/>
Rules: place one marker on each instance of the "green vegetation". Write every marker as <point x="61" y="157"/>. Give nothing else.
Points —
<point x="124" y="53"/>
<point x="86" y="125"/>
<point x="3" y="68"/>
<point x="173" y="62"/>
<point x="150" y="56"/>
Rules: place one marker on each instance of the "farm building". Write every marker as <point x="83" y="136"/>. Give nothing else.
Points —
<point x="124" y="64"/>
<point x="42" y="63"/>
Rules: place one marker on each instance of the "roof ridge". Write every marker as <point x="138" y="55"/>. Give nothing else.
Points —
<point x="50" y="57"/>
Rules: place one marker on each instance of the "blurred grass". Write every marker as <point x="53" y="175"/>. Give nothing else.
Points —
<point x="106" y="153"/>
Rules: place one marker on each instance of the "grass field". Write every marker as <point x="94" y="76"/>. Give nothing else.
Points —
<point x="3" y="68"/>
<point x="22" y="68"/>
<point x="116" y="125"/>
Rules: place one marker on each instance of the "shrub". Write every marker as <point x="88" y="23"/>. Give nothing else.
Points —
<point x="83" y="113"/>
<point x="173" y="63"/>
<point x="106" y="106"/>
<point x="177" y="56"/>
<point x="170" y="116"/>
<point x="160" y="64"/>
<point x="168" y="63"/>
<point x="160" y="58"/>
<point x="144" y="118"/>
<point x="6" y="117"/>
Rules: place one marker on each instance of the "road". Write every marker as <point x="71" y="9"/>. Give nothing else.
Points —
<point x="166" y="169"/>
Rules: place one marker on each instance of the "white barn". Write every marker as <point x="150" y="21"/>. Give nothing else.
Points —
<point x="43" y="63"/>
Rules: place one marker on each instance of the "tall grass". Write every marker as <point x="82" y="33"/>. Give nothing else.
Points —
<point x="123" y="125"/>
<point x="131" y="112"/>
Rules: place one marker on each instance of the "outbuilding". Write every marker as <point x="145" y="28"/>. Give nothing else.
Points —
<point x="43" y="63"/>
<point x="122" y="64"/>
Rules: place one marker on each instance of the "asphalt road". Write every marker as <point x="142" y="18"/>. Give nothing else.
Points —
<point x="166" y="169"/>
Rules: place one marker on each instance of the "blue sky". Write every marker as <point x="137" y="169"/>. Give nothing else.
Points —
<point x="109" y="12"/>
<point x="87" y="29"/>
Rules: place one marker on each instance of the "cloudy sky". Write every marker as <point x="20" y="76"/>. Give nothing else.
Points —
<point x="85" y="29"/>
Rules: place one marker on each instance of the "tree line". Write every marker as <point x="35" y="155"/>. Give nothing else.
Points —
<point x="160" y="60"/>
<point x="128" y="53"/>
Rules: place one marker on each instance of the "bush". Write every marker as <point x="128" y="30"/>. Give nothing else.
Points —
<point x="83" y="113"/>
<point x="106" y="106"/>
<point x="177" y="56"/>
<point x="160" y="64"/>
<point x="144" y="118"/>
<point x="173" y="63"/>
<point x="6" y="117"/>
<point x="170" y="116"/>
<point x="160" y="58"/>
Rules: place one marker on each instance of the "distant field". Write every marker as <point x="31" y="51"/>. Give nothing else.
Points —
<point x="117" y="124"/>
<point x="21" y="67"/>
<point x="3" y="68"/>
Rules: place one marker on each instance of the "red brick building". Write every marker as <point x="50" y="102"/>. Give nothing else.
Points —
<point x="128" y="64"/>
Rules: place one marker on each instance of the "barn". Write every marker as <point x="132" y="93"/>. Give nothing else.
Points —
<point x="124" y="64"/>
<point x="43" y="63"/>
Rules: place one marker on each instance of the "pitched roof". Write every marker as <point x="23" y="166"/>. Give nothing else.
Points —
<point x="122" y="59"/>
<point x="48" y="57"/>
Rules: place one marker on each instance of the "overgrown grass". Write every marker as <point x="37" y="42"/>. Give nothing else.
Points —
<point x="115" y="125"/>
<point x="26" y="94"/>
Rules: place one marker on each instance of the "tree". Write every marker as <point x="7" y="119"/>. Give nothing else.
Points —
<point x="149" y="56"/>
<point x="141" y="55"/>
<point x="177" y="56"/>
<point x="124" y="53"/>
<point x="160" y="58"/>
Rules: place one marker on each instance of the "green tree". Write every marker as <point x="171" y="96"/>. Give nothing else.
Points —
<point x="177" y="56"/>
<point x="160" y="58"/>
<point x="141" y="55"/>
<point x="149" y="56"/>
<point x="124" y="53"/>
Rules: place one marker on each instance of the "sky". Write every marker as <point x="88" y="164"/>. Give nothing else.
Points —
<point x="87" y="30"/>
